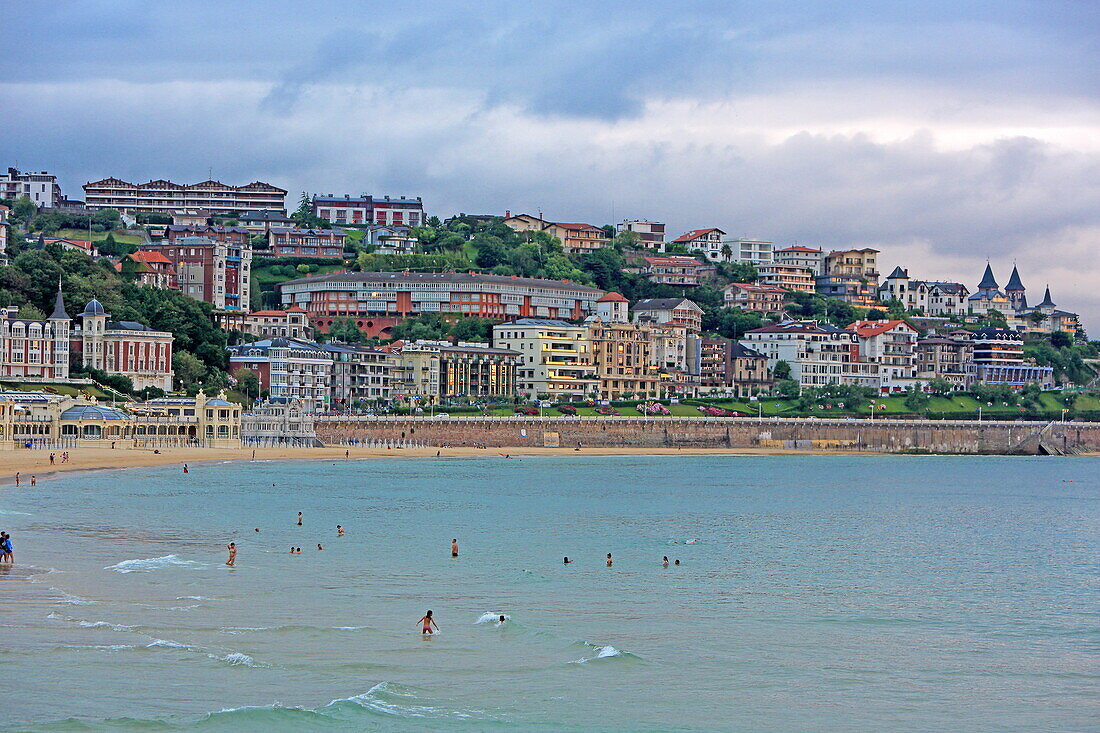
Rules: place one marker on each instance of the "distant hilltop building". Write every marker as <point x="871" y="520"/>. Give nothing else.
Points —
<point x="366" y="210"/>
<point x="707" y="240"/>
<point x="575" y="238"/>
<point x="40" y="187"/>
<point x="650" y="233"/>
<point x="218" y="198"/>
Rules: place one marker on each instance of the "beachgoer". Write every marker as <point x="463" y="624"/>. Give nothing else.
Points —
<point x="347" y="454"/>
<point x="677" y="562"/>
<point x="51" y="459"/>
<point x="298" y="550"/>
<point x="34" y="480"/>
<point x="257" y="529"/>
<point x="566" y="560"/>
<point x="185" y="468"/>
<point x="664" y="561"/>
<point x="16" y="478"/>
<point x="454" y="548"/>
<point x="291" y="550"/>
<point x="299" y="516"/>
<point x="253" y="455"/>
<point x="232" y="547"/>
<point x="427" y="623"/>
<point x="319" y="546"/>
<point x="6" y="552"/>
<point x="503" y="618"/>
<point x="437" y="454"/>
<point x="339" y="531"/>
<point x="609" y="559"/>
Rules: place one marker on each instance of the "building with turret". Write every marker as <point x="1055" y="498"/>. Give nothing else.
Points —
<point x="127" y="348"/>
<point x="988" y="297"/>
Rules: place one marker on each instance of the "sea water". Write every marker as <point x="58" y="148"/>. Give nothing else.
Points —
<point x="815" y="593"/>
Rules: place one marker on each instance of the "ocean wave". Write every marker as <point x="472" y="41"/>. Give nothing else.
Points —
<point x="167" y="644"/>
<point x="72" y="600"/>
<point x="237" y="659"/>
<point x="151" y="563"/>
<point x="603" y="652"/>
<point x="492" y="617"/>
<point x="9" y="512"/>
<point x="289" y="628"/>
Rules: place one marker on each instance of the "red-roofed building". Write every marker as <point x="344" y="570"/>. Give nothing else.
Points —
<point x="763" y="299"/>
<point x="77" y="245"/>
<point x="676" y="271"/>
<point x="151" y="269"/>
<point x="290" y="323"/>
<point x="575" y="238"/>
<point x="708" y="240"/>
<point x="613" y="308"/>
<point x="892" y="346"/>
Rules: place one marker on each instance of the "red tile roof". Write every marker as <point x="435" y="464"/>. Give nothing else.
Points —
<point x="867" y="329"/>
<point x="674" y="261"/>
<point x="799" y="248"/>
<point x="612" y="298"/>
<point x="142" y="256"/>
<point x="695" y="234"/>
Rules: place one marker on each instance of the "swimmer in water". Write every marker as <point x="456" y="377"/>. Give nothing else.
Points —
<point x="566" y="561"/>
<point x="257" y="529"/>
<point x="427" y="623"/>
<point x="232" y="547"/>
<point x="454" y="548"/>
<point x="677" y="562"/>
<point x="291" y="550"/>
<point x="299" y="516"/>
<point x="503" y="618"/>
<point x="609" y="559"/>
<point x="664" y="561"/>
<point x="339" y="531"/>
<point x="319" y="546"/>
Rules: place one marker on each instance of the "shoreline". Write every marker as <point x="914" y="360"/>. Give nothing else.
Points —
<point x="36" y="462"/>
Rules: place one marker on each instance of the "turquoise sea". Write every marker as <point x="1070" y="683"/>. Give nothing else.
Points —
<point x="823" y="593"/>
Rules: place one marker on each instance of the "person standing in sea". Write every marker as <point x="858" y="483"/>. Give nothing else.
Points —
<point x="6" y="550"/>
<point x="454" y="548"/>
<point x="428" y="622"/>
<point x="299" y="516"/>
<point x="609" y="559"/>
<point x="232" y="547"/>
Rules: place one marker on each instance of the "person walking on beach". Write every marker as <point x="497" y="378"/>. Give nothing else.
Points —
<point x="232" y="547"/>
<point x="609" y="559"/>
<point x="299" y="518"/>
<point x="454" y="548"/>
<point x="427" y="623"/>
<point x="51" y="459"/>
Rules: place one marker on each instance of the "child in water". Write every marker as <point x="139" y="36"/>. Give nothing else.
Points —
<point x="428" y="622"/>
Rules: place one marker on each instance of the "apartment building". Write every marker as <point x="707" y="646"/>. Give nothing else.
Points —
<point x="931" y="297"/>
<point x="763" y="299"/>
<point x="554" y="357"/>
<point x="217" y="272"/>
<point x="755" y="252"/>
<point x="804" y="258"/>
<point x="378" y="300"/>
<point x="292" y="323"/>
<point x="941" y="357"/>
<point x="818" y="353"/>
<point x="650" y="233"/>
<point x="680" y="311"/>
<point x="891" y="345"/>
<point x="730" y="366"/>
<point x="852" y="276"/>
<point x="621" y="355"/>
<point x="161" y="195"/>
<point x="150" y="269"/>
<point x="35" y="349"/>
<point x="788" y="277"/>
<point x="417" y="374"/>
<point x="477" y="370"/>
<point x="283" y="242"/>
<point x="999" y="359"/>
<point x="390" y="240"/>
<point x="366" y="210"/>
<point x="40" y="187"/>
<point x="359" y="374"/>
<point x="236" y="236"/>
<point x="288" y="369"/>
<point x="575" y="238"/>
<point x="674" y="271"/>
<point x="709" y="241"/>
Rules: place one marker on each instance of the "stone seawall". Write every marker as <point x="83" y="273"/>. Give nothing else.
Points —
<point x="889" y="436"/>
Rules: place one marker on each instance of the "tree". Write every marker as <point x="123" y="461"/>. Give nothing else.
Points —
<point x="781" y="371"/>
<point x="31" y="313"/>
<point x="916" y="400"/>
<point x="739" y="272"/>
<point x="248" y="382"/>
<point x="1061" y="340"/>
<point x="993" y="318"/>
<point x="189" y="370"/>
<point x="731" y="323"/>
<point x="345" y="329"/>
<point x="788" y="388"/>
<point x="473" y="328"/>
<point x="727" y="252"/>
<point x="940" y="387"/>
<point x="23" y="209"/>
<point x="874" y="314"/>
<point x="107" y="218"/>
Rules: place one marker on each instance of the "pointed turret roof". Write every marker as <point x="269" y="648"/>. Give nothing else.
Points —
<point x="898" y="273"/>
<point x="1014" y="282"/>
<point x="59" y="304"/>
<point x="1046" y="299"/>
<point x="988" y="281"/>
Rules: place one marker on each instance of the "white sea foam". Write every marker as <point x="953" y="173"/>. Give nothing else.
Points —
<point x="165" y="643"/>
<point x="193" y="598"/>
<point x="9" y="512"/>
<point x="72" y="600"/>
<point x="492" y="617"/>
<point x="602" y="652"/>
<point x="237" y="659"/>
<point x="151" y="563"/>
<point x="104" y="625"/>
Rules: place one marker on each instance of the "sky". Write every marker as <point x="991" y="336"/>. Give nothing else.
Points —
<point x="944" y="134"/>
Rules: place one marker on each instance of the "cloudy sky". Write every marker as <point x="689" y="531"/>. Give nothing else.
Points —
<point x="942" y="133"/>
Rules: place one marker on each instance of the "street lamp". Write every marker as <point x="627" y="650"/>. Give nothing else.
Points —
<point x="1064" y="411"/>
<point x="979" y="413"/>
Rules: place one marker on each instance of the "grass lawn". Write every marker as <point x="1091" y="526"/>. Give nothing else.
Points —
<point x="119" y="235"/>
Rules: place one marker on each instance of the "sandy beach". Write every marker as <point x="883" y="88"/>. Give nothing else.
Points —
<point x="37" y="462"/>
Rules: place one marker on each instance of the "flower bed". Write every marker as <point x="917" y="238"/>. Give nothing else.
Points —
<point x="710" y="411"/>
<point x="606" y="410"/>
<point x="527" y="410"/>
<point x="566" y="409"/>
<point x="652" y="408"/>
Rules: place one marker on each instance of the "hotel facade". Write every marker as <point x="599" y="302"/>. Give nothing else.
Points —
<point x="164" y="196"/>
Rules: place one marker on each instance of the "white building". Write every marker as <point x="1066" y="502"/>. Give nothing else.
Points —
<point x="40" y="187"/>
<point x="555" y="357"/>
<point x="709" y="241"/>
<point x="818" y="353"/>
<point x="891" y="345"/>
<point x="755" y="252"/>
<point x="805" y="258"/>
<point x="288" y="369"/>
<point x="650" y="233"/>
<point x="931" y="297"/>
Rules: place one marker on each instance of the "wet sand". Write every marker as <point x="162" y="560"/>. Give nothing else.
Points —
<point x="36" y="462"/>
